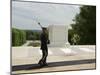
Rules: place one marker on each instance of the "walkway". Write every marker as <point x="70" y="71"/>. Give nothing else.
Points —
<point x="25" y="59"/>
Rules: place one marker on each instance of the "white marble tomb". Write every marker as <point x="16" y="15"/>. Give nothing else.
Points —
<point x="58" y="35"/>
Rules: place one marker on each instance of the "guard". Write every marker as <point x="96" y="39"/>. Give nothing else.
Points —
<point x="44" y="41"/>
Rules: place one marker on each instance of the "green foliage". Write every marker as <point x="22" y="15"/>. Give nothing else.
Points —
<point x="32" y="35"/>
<point x="18" y="37"/>
<point x="85" y="25"/>
<point x="70" y="35"/>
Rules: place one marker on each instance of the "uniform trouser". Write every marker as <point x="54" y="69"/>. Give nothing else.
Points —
<point x="44" y="55"/>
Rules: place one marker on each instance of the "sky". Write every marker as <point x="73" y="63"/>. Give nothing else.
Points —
<point x="25" y="15"/>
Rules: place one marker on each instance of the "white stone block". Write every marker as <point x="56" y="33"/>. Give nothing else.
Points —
<point x="58" y="35"/>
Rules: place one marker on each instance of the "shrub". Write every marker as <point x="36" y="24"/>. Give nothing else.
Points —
<point x="18" y="37"/>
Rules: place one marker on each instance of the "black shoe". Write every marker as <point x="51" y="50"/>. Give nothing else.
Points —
<point x="45" y="64"/>
<point x="40" y="62"/>
<point x="42" y="65"/>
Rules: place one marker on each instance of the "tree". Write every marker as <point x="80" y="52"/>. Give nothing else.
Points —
<point x="70" y="35"/>
<point x="18" y="37"/>
<point x="85" y="25"/>
<point x="32" y="35"/>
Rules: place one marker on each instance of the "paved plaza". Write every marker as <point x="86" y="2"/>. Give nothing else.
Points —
<point x="78" y="57"/>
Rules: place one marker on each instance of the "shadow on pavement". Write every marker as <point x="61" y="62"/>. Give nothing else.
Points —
<point x="53" y="64"/>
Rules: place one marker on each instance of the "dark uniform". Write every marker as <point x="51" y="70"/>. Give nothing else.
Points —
<point x="44" y="48"/>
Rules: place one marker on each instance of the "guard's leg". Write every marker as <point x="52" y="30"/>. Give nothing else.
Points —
<point x="41" y="60"/>
<point x="45" y="56"/>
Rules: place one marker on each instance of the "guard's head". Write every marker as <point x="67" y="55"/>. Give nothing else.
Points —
<point x="44" y="29"/>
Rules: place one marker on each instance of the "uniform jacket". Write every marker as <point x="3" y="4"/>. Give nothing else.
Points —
<point x="44" y="41"/>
